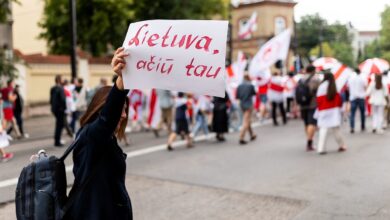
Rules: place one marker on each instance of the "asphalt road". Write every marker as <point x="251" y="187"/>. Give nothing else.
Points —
<point x="271" y="178"/>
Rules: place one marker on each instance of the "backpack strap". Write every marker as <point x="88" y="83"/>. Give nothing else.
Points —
<point x="72" y="146"/>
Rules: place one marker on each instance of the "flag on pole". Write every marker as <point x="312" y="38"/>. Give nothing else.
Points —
<point x="341" y="74"/>
<point x="272" y="51"/>
<point x="154" y="114"/>
<point x="248" y="28"/>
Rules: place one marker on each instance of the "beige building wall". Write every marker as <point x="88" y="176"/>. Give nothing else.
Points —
<point x="26" y="16"/>
<point x="267" y="12"/>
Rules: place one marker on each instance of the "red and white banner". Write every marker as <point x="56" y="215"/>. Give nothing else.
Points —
<point x="272" y="51"/>
<point x="341" y="75"/>
<point x="235" y="72"/>
<point x="135" y="98"/>
<point x="246" y="30"/>
<point x="154" y="111"/>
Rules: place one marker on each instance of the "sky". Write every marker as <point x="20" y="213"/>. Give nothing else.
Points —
<point x="364" y="15"/>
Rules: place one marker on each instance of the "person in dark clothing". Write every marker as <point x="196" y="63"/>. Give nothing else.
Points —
<point x="181" y="122"/>
<point x="58" y="107"/>
<point x="18" y="112"/>
<point x="220" y="116"/>
<point x="97" y="156"/>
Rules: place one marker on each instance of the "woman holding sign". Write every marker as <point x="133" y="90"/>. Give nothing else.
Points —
<point x="99" y="190"/>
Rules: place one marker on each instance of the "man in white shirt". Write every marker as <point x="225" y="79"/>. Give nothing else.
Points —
<point x="357" y="89"/>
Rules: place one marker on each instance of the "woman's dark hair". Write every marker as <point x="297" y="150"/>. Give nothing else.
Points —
<point x="378" y="81"/>
<point x="96" y="106"/>
<point x="332" y="90"/>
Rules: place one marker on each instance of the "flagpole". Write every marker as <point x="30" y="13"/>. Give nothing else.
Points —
<point x="230" y="54"/>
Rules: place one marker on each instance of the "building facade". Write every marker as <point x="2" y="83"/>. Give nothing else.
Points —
<point x="273" y="16"/>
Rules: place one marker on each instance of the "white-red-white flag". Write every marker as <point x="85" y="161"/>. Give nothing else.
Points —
<point x="246" y="30"/>
<point x="341" y="74"/>
<point x="154" y="114"/>
<point x="272" y="51"/>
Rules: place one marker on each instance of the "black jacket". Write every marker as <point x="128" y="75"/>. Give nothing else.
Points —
<point x="57" y="99"/>
<point x="105" y="196"/>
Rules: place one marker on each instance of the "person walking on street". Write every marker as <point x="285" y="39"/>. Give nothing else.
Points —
<point x="98" y="160"/>
<point x="289" y="91"/>
<point x="305" y="96"/>
<point x="275" y="95"/>
<point x="378" y="98"/>
<point x="166" y="102"/>
<point x="9" y="98"/>
<point x="18" y="111"/>
<point x="329" y="113"/>
<point x="202" y="110"/>
<point x="80" y="102"/>
<point x="245" y="93"/>
<point x="220" y="120"/>
<point x="181" y="122"/>
<point x="357" y="95"/>
<point x="4" y="140"/>
<point x="58" y="107"/>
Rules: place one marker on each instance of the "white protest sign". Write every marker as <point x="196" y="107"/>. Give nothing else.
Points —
<point x="178" y="55"/>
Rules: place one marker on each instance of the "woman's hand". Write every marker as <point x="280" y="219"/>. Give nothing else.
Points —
<point x="118" y="61"/>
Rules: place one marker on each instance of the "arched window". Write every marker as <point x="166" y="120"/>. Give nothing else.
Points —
<point x="280" y="24"/>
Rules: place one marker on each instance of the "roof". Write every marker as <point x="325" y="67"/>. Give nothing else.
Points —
<point x="39" y="58"/>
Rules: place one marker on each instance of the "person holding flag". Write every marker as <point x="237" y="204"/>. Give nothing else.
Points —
<point x="328" y="113"/>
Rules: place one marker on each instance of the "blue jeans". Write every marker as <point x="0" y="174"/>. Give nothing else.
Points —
<point x="201" y="123"/>
<point x="355" y="104"/>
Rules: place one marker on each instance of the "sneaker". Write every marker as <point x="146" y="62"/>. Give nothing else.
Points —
<point x="309" y="148"/>
<point x="26" y="135"/>
<point x="242" y="142"/>
<point x="169" y="148"/>
<point x="342" y="149"/>
<point x="253" y="137"/>
<point x="352" y="131"/>
<point x="322" y="153"/>
<point x="380" y="131"/>
<point x="7" y="156"/>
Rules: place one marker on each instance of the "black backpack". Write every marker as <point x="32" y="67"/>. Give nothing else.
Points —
<point x="41" y="188"/>
<point x="303" y="95"/>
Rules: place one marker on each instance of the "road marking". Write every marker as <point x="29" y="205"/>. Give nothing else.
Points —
<point x="141" y="152"/>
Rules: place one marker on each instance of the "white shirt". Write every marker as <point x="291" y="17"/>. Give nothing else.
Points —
<point x="357" y="87"/>
<point x="377" y="96"/>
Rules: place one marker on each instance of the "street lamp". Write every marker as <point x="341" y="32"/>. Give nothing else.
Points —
<point x="73" y="25"/>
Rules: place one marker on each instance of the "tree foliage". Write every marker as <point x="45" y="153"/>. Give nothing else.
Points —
<point x="385" y="33"/>
<point x="103" y="23"/>
<point x="99" y="23"/>
<point x="178" y="9"/>
<point x="335" y="37"/>
<point x="7" y="68"/>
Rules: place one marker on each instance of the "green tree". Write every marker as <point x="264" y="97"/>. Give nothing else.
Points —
<point x="7" y="67"/>
<point x="336" y="39"/>
<point x="326" y="49"/>
<point x="103" y="23"/>
<point x="373" y="49"/>
<point x="385" y="33"/>
<point x="178" y="9"/>
<point x="100" y="23"/>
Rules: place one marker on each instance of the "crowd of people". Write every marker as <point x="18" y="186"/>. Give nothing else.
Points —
<point x="311" y="95"/>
